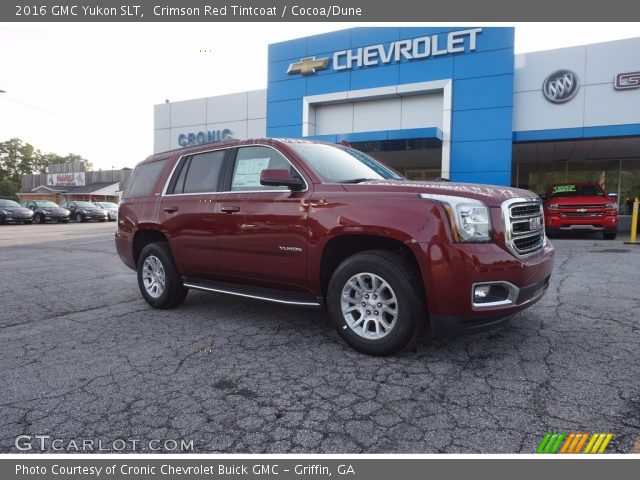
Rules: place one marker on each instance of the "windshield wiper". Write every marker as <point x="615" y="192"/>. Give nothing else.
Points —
<point x="358" y="180"/>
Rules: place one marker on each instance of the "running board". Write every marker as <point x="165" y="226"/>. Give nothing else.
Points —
<point x="250" y="291"/>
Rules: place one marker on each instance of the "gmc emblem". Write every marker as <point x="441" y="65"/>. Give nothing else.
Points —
<point x="535" y="223"/>
<point x="625" y="81"/>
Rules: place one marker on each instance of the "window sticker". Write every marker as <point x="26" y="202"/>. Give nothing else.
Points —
<point x="248" y="172"/>
<point x="564" y="188"/>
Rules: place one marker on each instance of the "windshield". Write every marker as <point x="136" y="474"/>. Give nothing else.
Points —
<point x="46" y="204"/>
<point x="576" y="191"/>
<point x="85" y="205"/>
<point x="340" y="164"/>
<point x="106" y="205"/>
<point x="8" y="203"/>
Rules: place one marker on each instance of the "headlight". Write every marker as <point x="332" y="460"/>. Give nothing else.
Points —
<point x="86" y="211"/>
<point x="470" y="219"/>
<point x="611" y="205"/>
<point x="6" y="212"/>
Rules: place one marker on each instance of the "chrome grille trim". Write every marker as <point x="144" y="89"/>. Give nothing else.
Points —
<point x="523" y="235"/>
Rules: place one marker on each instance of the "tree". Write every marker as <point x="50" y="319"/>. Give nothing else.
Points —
<point x="18" y="158"/>
<point x="8" y="187"/>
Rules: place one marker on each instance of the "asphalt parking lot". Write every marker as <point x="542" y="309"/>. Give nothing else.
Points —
<point x="82" y="357"/>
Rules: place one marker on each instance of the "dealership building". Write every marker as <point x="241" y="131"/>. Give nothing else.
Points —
<point x="442" y="102"/>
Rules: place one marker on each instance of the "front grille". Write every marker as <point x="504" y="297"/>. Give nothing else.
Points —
<point x="581" y="215"/>
<point x="583" y="206"/>
<point x="524" y="226"/>
<point x="528" y="243"/>
<point x="518" y="211"/>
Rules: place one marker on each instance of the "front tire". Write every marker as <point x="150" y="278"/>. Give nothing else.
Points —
<point x="375" y="301"/>
<point x="79" y="218"/>
<point x="610" y="235"/>
<point x="158" y="278"/>
<point x="39" y="218"/>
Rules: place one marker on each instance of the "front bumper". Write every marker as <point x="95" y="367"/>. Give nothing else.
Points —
<point x="18" y="218"/>
<point x="451" y="271"/>
<point x="56" y="217"/>
<point x="566" y="222"/>
<point x="96" y="216"/>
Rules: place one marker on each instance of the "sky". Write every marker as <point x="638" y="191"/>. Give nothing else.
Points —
<point x="90" y="89"/>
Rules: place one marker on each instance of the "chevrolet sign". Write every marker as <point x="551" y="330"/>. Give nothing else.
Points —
<point x="394" y="52"/>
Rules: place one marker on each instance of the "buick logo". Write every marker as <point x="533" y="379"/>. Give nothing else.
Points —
<point x="560" y="86"/>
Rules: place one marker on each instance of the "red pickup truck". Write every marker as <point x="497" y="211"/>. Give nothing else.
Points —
<point x="314" y="224"/>
<point x="580" y="206"/>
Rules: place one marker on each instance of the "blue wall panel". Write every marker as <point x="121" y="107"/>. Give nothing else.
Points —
<point x="288" y="50"/>
<point x="328" y="42"/>
<point x="284" y="113"/>
<point x="479" y="156"/>
<point x="381" y="76"/>
<point x="426" y="71"/>
<point x="481" y="64"/>
<point x="293" y="89"/>
<point x="482" y="90"/>
<point x="482" y="124"/>
<point x="362" y="37"/>
<point x="336" y="82"/>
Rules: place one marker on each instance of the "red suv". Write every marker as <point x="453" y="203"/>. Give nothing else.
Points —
<point x="308" y="223"/>
<point x="580" y="206"/>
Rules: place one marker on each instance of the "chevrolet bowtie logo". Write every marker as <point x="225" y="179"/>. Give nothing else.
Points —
<point x="308" y="65"/>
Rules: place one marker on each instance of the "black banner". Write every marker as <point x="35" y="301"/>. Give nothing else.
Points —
<point x="305" y="11"/>
<point x="354" y="468"/>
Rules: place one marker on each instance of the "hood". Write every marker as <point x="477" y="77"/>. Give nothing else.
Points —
<point x="17" y="209"/>
<point x="490" y="195"/>
<point x="579" y="200"/>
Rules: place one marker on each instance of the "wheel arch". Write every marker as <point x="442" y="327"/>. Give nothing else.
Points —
<point x="144" y="237"/>
<point x="339" y="248"/>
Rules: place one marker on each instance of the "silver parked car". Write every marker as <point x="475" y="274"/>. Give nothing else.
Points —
<point x="110" y="207"/>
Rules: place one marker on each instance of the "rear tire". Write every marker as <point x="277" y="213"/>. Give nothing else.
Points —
<point x="376" y="303"/>
<point x="158" y="278"/>
<point x="610" y="235"/>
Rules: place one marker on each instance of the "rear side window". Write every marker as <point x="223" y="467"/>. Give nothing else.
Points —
<point x="143" y="179"/>
<point x="203" y="174"/>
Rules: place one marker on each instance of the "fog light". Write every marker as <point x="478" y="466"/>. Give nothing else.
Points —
<point x="494" y="294"/>
<point x="481" y="293"/>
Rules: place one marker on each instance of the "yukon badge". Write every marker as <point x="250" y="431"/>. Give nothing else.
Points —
<point x="290" y="249"/>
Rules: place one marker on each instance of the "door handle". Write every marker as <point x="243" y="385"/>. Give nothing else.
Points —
<point x="232" y="209"/>
<point x="170" y="209"/>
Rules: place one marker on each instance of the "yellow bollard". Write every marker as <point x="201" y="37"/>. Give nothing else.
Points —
<point x="634" y="222"/>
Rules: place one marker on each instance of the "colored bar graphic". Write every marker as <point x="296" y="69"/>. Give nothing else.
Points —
<point x="597" y="442"/>
<point x="550" y="443"/>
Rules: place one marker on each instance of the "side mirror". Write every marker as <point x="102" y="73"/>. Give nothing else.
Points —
<point x="543" y="196"/>
<point x="280" y="178"/>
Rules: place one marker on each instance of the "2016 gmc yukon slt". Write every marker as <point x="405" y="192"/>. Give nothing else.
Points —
<point x="308" y="223"/>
